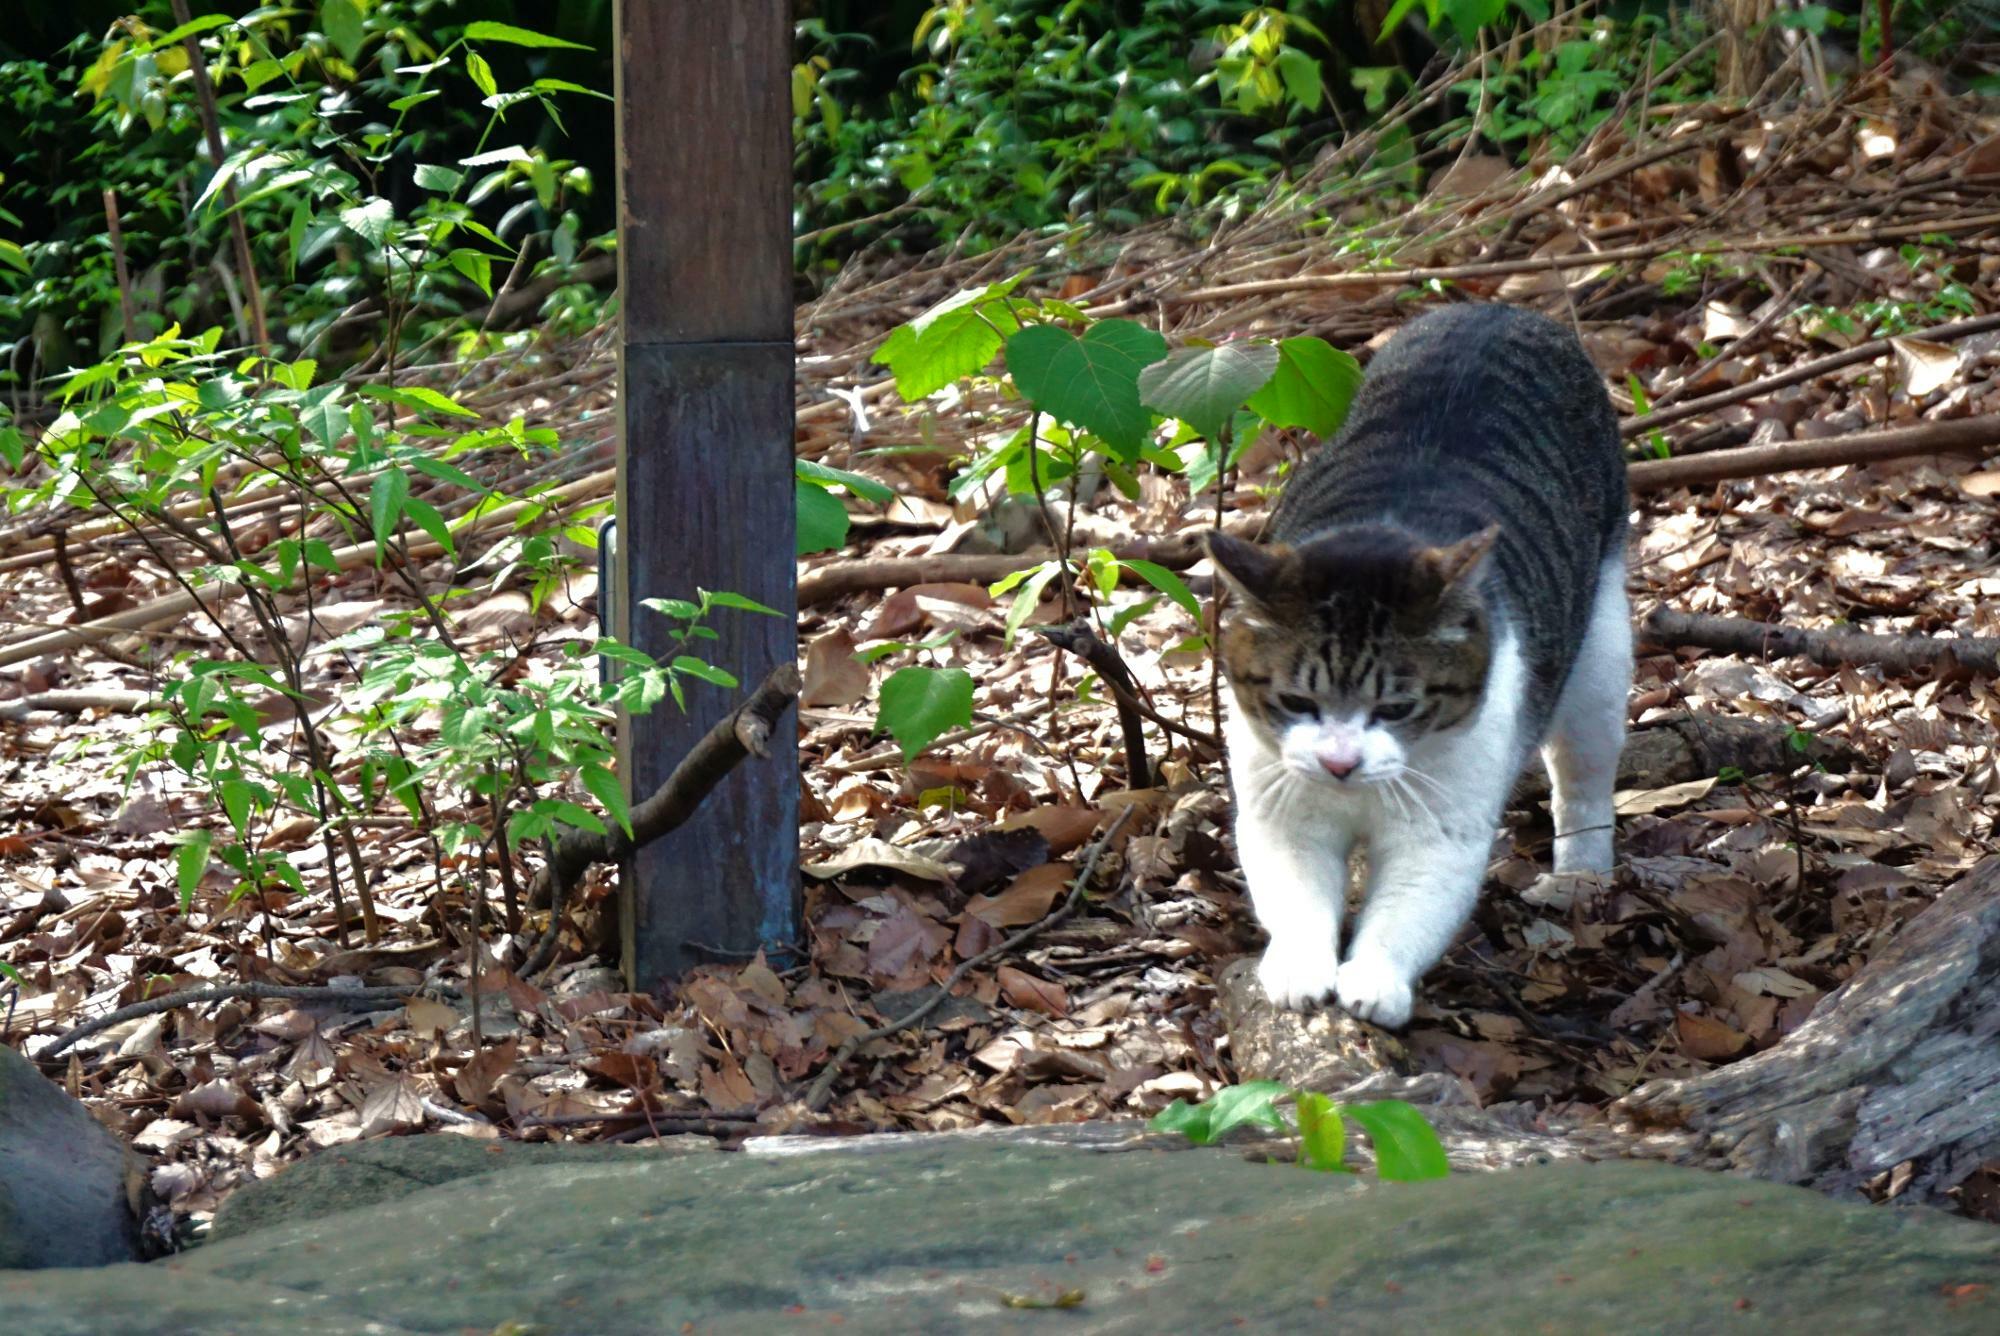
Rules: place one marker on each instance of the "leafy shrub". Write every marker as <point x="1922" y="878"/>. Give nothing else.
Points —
<point x="1406" y="1146"/>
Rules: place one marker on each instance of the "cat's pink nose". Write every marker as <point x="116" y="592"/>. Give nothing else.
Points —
<point x="1340" y="764"/>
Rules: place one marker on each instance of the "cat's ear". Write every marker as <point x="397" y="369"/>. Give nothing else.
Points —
<point x="1252" y="571"/>
<point x="1452" y="563"/>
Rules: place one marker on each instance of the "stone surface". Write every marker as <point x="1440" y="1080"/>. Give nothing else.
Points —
<point x="950" y="1233"/>
<point x="62" y="1177"/>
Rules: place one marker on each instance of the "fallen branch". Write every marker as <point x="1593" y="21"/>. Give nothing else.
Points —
<point x="1954" y="436"/>
<point x="1580" y="260"/>
<point x="1080" y="640"/>
<point x="75" y="702"/>
<point x="1830" y="648"/>
<point x="822" y="1086"/>
<point x="1700" y="745"/>
<point x="1897" y="1072"/>
<point x="745" y="731"/>
<point x="229" y="992"/>
<point x="1804" y="371"/>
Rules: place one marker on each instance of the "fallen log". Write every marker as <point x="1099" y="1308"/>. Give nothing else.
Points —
<point x="1974" y="435"/>
<point x="1698" y="745"/>
<point x="1829" y="648"/>
<point x="1893" y="1081"/>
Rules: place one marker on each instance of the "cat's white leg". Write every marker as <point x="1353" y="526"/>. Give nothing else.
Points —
<point x="1295" y="862"/>
<point x="1425" y="866"/>
<point x="1587" y="730"/>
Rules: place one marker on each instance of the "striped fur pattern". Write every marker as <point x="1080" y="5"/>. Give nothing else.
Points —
<point x="1443" y="594"/>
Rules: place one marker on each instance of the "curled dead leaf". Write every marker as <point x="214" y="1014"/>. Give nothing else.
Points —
<point x="1927" y="366"/>
<point x="1024" y="990"/>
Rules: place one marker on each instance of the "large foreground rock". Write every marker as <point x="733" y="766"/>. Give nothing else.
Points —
<point x="950" y="1234"/>
<point x="62" y="1178"/>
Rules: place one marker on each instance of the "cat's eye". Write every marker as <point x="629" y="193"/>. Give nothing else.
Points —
<point x="1292" y="703"/>
<point x="1392" y="711"/>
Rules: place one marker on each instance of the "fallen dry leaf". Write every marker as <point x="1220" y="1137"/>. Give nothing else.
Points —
<point x="1024" y="990"/>
<point x="833" y="676"/>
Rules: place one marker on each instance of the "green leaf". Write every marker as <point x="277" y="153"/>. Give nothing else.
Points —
<point x="191" y="862"/>
<point x="1312" y="387"/>
<point x="475" y="266"/>
<point x="485" y="31"/>
<point x="1167" y="583"/>
<point x="426" y="517"/>
<point x="385" y="505"/>
<point x="1027" y="597"/>
<point x="1301" y="75"/>
<point x="369" y="221"/>
<point x="604" y="787"/>
<point x="11" y="253"/>
<point x="822" y="520"/>
<point x="1204" y="387"/>
<point x="707" y="672"/>
<point x="953" y="339"/>
<point x="1251" y="1102"/>
<point x="1406" y="1147"/>
<point x="206" y="23"/>
<point x="8" y="971"/>
<point x="433" y="176"/>
<point x="1190" y="1120"/>
<point x="918" y="704"/>
<point x="1091" y="382"/>
<point x="722" y="598"/>
<point x="861" y="485"/>
<point x="481" y="73"/>
<point x="417" y="396"/>
<point x="1322" y="1135"/>
<point x="341" y="21"/>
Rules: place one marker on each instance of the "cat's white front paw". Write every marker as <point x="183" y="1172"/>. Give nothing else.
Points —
<point x="1372" y="989"/>
<point x="1297" y="978"/>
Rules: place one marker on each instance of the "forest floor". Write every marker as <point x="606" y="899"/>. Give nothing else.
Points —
<point x="1736" y="248"/>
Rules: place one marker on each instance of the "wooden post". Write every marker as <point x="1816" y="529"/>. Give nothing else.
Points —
<point x="705" y="491"/>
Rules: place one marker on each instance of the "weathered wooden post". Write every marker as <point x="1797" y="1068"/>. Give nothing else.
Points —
<point x="705" y="459"/>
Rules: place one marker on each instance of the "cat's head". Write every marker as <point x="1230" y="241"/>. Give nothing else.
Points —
<point x="1346" y="650"/>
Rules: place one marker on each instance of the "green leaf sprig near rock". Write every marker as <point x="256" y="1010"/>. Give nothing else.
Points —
<point x="1407" y="1148"/>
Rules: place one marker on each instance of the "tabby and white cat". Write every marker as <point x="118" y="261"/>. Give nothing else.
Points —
<point x="1443" y="593"/>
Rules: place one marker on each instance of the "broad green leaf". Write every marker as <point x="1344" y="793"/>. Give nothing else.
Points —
<point x="434" y="176"/>
<point x="1311" y="388"/>
<point x="191" y="862"/>
<point x="862" y="486"/>
<point x="485" y="31"/>
<point x="417" y="396"/>
<point x="604" y="787"/>
<point x="1028" y="597"/>
<point x="426" y="517"/>
<point x="9" y="972"/>
<point x="369" y="221"/>
<point x="11" y="253"/>
<point x="1322" y="1135"/>
<point x="1406" y="1146"/>
<point x="206" y="23"/>
<point x="822" y="520"/>
<point x="953" y="339"/>
<point x="1301" y="75"/>
<point x="1251" y="1102"/>
<point x="385" y="506"/>
<point x="1204" y="387"/>
<point x="1167" y="583"/>
<point x="475" y="266"/>
<point x="481" y="73"/>
<point x="341" y="20"/>
<point x="918" y="704"/>
<point x="1190" y="1120"/>
<point x="1091" y="382"/>
<point x="707" y="672"/>
<point x="722" y="598"/>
